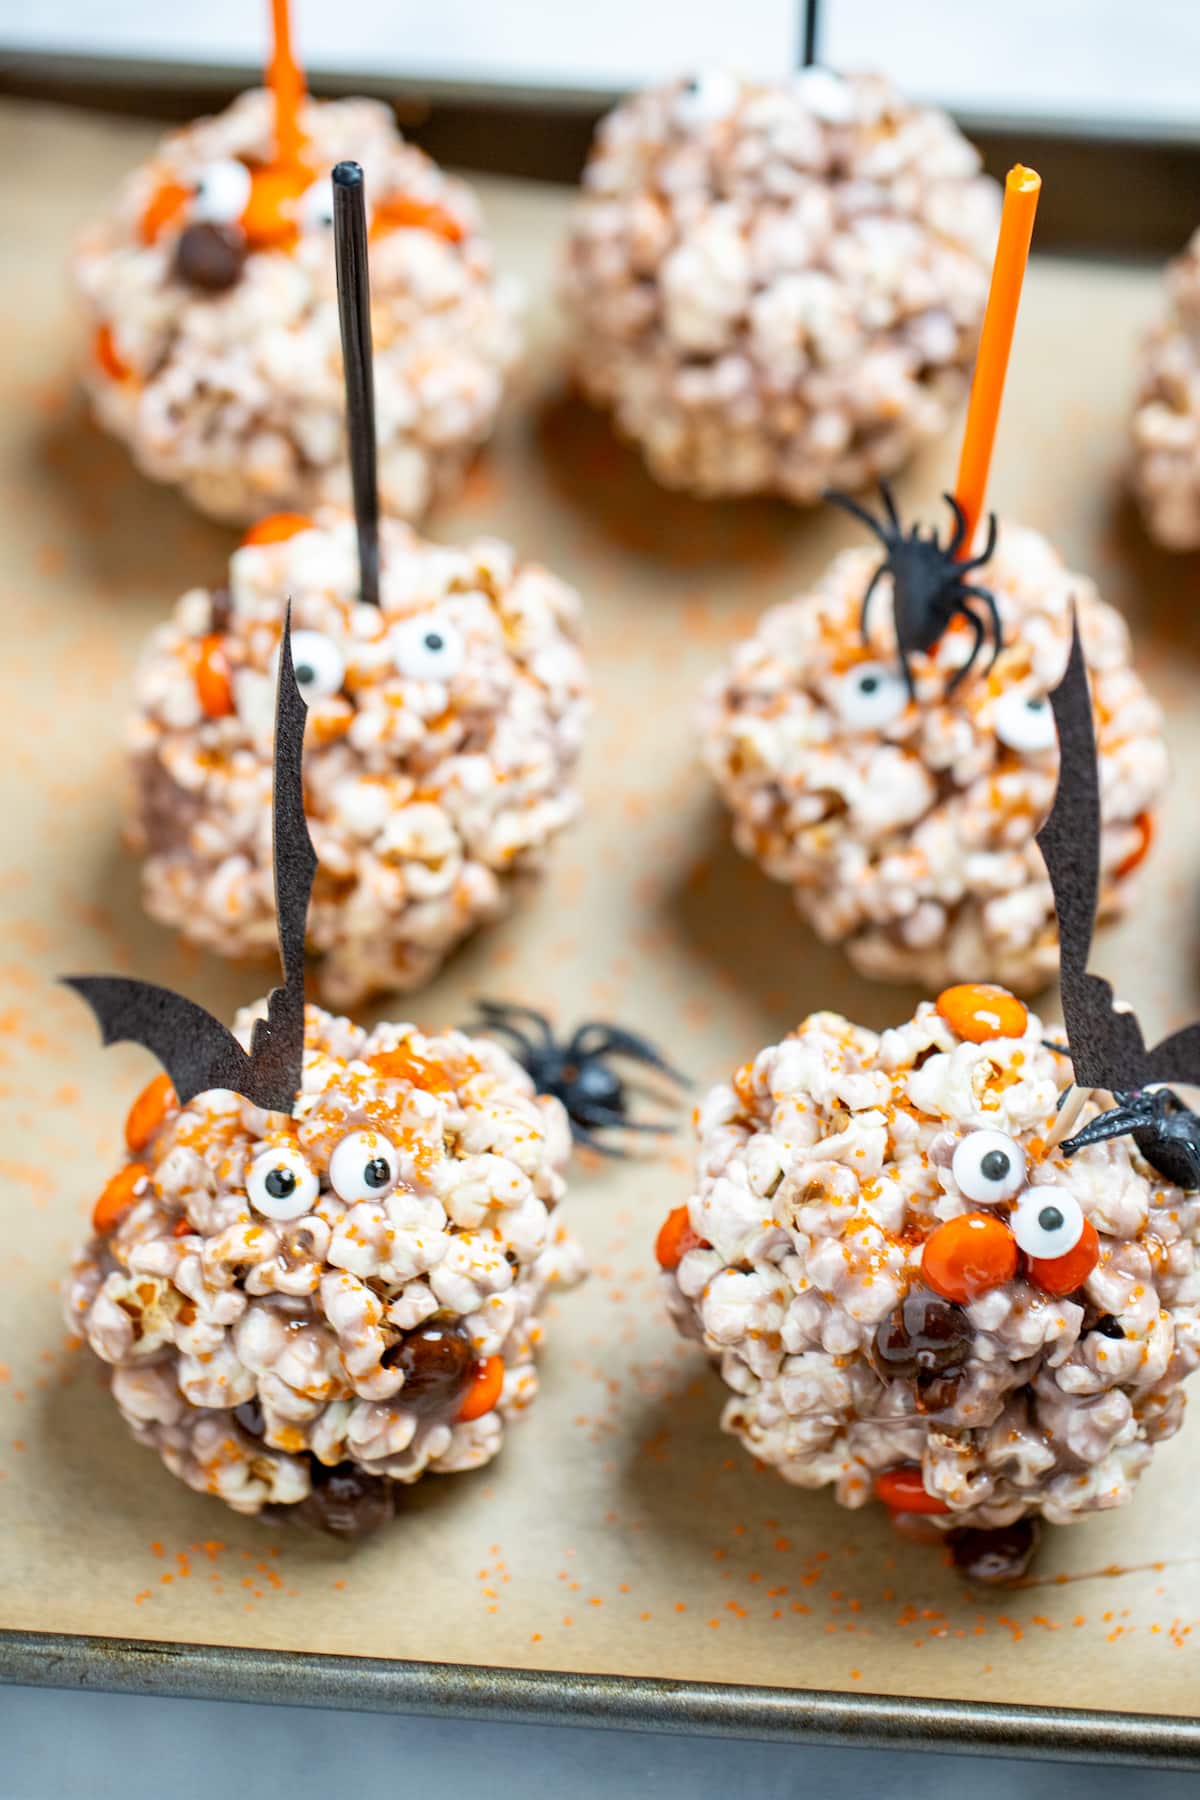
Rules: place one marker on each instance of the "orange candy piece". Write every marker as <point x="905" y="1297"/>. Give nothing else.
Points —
<point x="164" y="208"/>
<point x="1144" y="826"/>
<point x="148" y="1111"/>
<point x="107" y="357"/>
<point x="966" y="1256"/>
<point x="211" y="674"/>
<point x="1061" y="1275"/>
<point x="978" y="1011"/>
<point x="484" y="1390"/>
<point x="675" y="1238"/>
<point x="400" y="212"/>
<point x="122" y="1192"/>
<point x="269" y="218"/>
<point x="903" y="1489"/>
<point x="277" y="528"/>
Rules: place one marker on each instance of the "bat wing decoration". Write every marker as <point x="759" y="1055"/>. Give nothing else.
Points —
<point x="1106" y="1044"/>
<point x="196" y="1050"/>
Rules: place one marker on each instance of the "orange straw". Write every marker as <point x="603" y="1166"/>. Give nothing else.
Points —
<point x="1021" y="192"/>
<point x="285" y="78"/>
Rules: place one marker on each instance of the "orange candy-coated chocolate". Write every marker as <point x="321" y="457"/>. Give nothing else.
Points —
<point x="978" y="1011"/>
<point x="269" y="219"/>
<point x="213" y="684"/>
<point x="675" y="1238"/>
<point x="400" y="212"/>
<point x="968" y="1255"/>
<point x="1060" y="1275"/>
<point x="484" y="1390"/>
<point x="148" y="1111"/>
<point x="277" y="528"/>
<point x="106" y="356"/>
<point x="121" y="1193"/>
<point x="903" y="1489"/>
<point x="165" y="207"/>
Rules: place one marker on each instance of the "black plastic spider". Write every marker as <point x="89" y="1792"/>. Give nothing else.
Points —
<point x="576" y="1072"/>
<point x="927" y="582"/>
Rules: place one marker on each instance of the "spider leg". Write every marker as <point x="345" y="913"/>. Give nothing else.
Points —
<point x="594" y="1143"/>
<point x="909" y="683"/>
<point x="612" y="1040"/>
<point x="837" y="498"/>
<point x="977" y="562"/>
<point x="866" y="600"/>
<point x="960" y="674"/>
<point x="599" y="1117"/>
<point x="989" y="600"/>
<point x="889" y="503"/>
<point x="500" y="1009"/>
<point x="960" y="525"/>
<point x="527" y="1053"/>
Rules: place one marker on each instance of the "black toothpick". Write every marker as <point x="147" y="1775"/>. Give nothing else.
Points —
<point x="354" y="316"/>
<point x="812" y="10"/>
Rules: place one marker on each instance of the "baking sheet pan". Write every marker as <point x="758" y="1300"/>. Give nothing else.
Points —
<point x="620" y="1546"/>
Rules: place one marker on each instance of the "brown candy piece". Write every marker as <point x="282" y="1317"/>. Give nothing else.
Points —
<point x="438" y="1360"/>
<point x="345" y="1501"/>
<point x="210" y="256"/>
<point x="995" y="1557"/>
<point x="924" y="1336"/>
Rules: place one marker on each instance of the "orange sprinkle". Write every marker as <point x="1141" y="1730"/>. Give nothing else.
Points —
<point x="1061" y="1275"/>
<point x="165" y="205"/>
<point x="106" y="355"/>
<point x="211" y="675"/>
<point x="968" y="1255"/>
<point x="675" y="1238"/>
<point x="400" y="212"/>
<point x="979" y="1011"/>
<point x="1144" y="826"/>
<point x="277" y="528"/>
<point x="120" y="1194"/>
<point x="148" y="1111"/>
<point x="484" y="1390"/>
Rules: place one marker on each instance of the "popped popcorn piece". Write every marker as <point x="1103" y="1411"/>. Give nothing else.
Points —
<point x="1165" y="434"/>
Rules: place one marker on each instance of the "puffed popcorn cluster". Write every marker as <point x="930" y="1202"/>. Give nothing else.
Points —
<point x="1166" y="420"/>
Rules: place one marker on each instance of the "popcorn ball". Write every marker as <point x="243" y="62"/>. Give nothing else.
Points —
<point x="906" y="828"/>
<point x="1166" y="420"/>
<point x="444" y="727"/>
<point x="215" y="350"/>
<point x="778" y="288"/>
<point x="911" y="1296"/>
<point x="303" y="1312"/>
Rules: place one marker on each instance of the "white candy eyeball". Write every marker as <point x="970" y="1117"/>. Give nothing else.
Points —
<point x="1047" y="1222"/>
<point x="869" y="696"/>
<point x="1024" y="721"/>
<point x="222" y="190"/>
<point x="988" y="1167"/>
<point x="707" y="97"/>
<point x="364" y="1166"/>
<point x="315" y="206"/>
<point x="428" y="647"/>
<point x="319" y="664"/>
<point x="280" y="1184"/>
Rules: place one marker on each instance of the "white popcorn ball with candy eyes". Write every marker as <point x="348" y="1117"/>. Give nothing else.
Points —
<point x="1165" y="462"/>
<point x="906" y="826"/>
<point x="931" y="1303"/>
<point x="444" y="726"/>
<point x="211" y="298"/>
<point x="281" y="1301"/>
<point x="778" y="287"/>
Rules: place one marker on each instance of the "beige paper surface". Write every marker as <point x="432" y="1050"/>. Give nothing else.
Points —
<point x="619" y="1531"/>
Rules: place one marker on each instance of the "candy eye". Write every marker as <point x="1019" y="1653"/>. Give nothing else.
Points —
<point x="870" y="696"/>
<point x="706" y="98"/>
<point x="364" y="1166"/>
<point x="1047" y="1222"/>
<point x="222" y="190"/>
<point x="988" y="1166"/>
<point x="281" y="1185"/>
<point x="428" y="648"/>
<point x="1024" y="721"/>
<point x="319" y="664"/>
<point x="315" y="206"/>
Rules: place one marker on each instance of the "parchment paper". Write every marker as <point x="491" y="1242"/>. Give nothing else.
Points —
<point x="619" y="1532"/>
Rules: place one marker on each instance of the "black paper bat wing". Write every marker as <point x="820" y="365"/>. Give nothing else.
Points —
<point x="196" y="1050"/>
<point x="1107" y="1047"/>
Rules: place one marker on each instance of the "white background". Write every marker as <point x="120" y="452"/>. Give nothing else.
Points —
<point x="1132" y="65"/>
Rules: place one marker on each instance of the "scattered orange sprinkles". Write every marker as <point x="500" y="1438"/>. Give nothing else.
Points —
<point x="214" y="686"/>
<point x="979" y="1011"/>
<point x="120" y="1194"/>
<point x="276" y="528"/>
<point x="968" y="1255"/>
<point x="484" y="1390"/>
<point x="148" y="1111"/>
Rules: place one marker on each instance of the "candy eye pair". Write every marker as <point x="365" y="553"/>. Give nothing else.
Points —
<point x="871" y="695"/>
<point x="280" y="1184"/>
<point x="425" y="648"/>
<point x="988" y="1167"/>
<point x="222" y="194"/>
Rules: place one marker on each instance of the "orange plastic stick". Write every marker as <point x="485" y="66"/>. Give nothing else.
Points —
<point x="285" y="78"/>
<point x="1021" y="192"/>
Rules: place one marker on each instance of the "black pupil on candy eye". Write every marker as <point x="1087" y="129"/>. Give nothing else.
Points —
<point x="280" y="1183"/>
<point x="995" y="1165"/>
<point x="305" y="674"/>
<point x="377" y="1174"/>
<point x="1050" y="1219"/>
<point x="868" y="684"/>
<point x="434" y="641"/>
<point x="1036" y="706"/>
